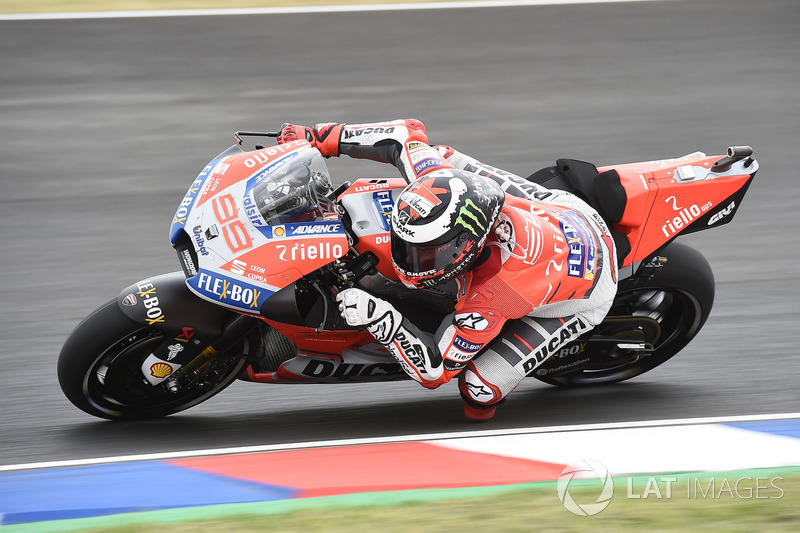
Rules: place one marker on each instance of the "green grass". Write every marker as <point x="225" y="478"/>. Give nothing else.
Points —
<point x="68" y="6"/>
<point x="535" y="506"/>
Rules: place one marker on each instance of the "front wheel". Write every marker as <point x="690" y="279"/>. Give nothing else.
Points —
<point x="99" y="370"/>
<point x="663" y="310"/>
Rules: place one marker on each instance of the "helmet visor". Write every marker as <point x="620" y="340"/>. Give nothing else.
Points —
<point x="429" y="259"/>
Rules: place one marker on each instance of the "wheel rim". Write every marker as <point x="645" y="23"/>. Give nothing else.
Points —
<point x="116" y="386"/>
<point x="678" y="315"/>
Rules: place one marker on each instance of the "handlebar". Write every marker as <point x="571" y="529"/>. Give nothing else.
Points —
<point x="239" y="134"/>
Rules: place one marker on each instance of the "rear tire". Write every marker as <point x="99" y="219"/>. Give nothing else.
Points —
<point x="99" y="370"/>
<point x="678" y="298"/>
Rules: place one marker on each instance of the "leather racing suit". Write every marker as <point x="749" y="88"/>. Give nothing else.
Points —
<point x="550" y="274"/>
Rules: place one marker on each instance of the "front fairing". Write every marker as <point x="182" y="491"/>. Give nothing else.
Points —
<point x="257" y="221"/>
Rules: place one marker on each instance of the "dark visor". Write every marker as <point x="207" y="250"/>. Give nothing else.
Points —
<point x="418" y="258"/>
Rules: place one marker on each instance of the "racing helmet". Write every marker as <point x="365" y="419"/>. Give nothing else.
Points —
<point x="439" y="225"/>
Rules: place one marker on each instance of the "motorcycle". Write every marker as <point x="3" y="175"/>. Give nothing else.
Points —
<point x="265" y="241"/>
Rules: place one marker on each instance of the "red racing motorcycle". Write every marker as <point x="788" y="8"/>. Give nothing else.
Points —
<point x="265" y="241"/>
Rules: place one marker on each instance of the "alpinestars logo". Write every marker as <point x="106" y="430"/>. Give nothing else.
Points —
<point x="476" y="391"/>
<point x="471" y="321"/>
<point x="471" y="218"/>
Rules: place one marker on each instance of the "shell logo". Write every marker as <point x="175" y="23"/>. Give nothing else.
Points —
<point x="160" y="370"/>
<point x="279" y="231"/>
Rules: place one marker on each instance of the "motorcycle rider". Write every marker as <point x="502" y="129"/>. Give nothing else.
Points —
<point x="535" y="268"/>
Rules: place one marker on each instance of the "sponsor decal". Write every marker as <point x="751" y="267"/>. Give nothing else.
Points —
<point x="238" y="267"/>
<point x="415" y="145"/>
<point x="353" y="132"/>
<point x="412" y="352"/>
<point x="325" y="368"/>
<point x="188" y="262"/>
<point x="210" y="187"/>
<point x="189" y="198"/>
<point x="262" y="157"/>
<point x="385" y="205"/>
<point x="221" y="168"/>
<point x="466" y="346"/>
<point x="567" y="351"/>
<point x="686" y="215"/>
<point x="129" y="300"/>
<point x="454" y="366"/>
<point x="161" y="370"/>
<point x="185" y="335"/>
<point x="300" y="251"/>
<point x="265" y="172"/>
<point x="273" y="232"/>
<point x="425" y="164"/>
<point x="561" y="368"/>
<point x="316" y="228"/>
<point x="147" y="292"/>
<point x="232" y="292"/>
<point x="722" y="214"/>
<point x="383" y="328"/>
<point x="581" y="248"/>
<point x="471" y="218"/>
<point x="199" y="240"/>
<point x="565" y="333"/>
<point x="478" y="391"/>
<point x="473" y="321"/>
<point x="401" y="223"/>
<point x="254" y="272"/>
<point x="252" y="212"/>
<point x="174" y="350"/>
<point x="421" y="197"/>
<point x="374" y="185"/>
<point x="156" y="370"/>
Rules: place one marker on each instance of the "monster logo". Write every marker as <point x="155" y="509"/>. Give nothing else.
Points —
<point x="470" y="216"/>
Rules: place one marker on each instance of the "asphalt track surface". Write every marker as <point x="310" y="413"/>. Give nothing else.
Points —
<point x="105" y="123"/>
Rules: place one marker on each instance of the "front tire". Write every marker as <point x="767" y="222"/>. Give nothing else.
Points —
<point x="99" y="370"/>
<point x="666" y="309"/>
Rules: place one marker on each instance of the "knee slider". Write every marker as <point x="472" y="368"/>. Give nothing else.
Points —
<point x="476" y="390"/>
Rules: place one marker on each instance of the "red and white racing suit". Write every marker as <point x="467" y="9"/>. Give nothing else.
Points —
<point x="551" y="274"/>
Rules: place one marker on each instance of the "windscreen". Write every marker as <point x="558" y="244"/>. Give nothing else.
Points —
<point x="295" y="191"/>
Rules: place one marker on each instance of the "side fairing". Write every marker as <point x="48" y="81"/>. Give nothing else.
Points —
<point x="369" y="203"/>
<point x="674" y="197"/>
<point x="241" y="259"/>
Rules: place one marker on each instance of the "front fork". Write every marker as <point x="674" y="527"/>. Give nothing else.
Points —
<point x="176" y="375"/>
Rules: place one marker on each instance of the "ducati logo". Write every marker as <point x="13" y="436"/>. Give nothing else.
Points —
<point x="421" y="197"/>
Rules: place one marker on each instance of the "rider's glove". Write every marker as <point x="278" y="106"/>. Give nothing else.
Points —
<point x="324" y="137"/>
<point x="359" y="308"/>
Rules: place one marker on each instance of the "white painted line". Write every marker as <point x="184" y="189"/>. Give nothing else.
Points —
<point x="686" y="448"/>
<point x="404" y="438"/>
<point x="302" y="9"/>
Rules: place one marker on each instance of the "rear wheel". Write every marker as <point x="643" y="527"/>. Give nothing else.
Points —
<point x="653" y="317"/>
<point x="99" y="370"/>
